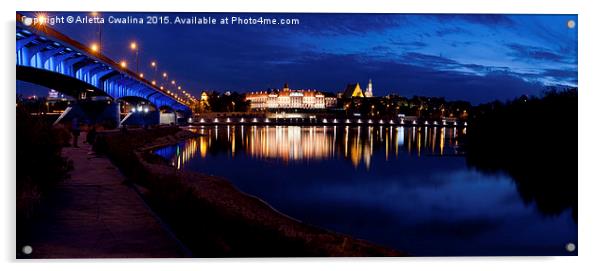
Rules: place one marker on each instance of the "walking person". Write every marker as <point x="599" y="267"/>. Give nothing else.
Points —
<point x="75" y="130"/>
<point x="91" y="136"/>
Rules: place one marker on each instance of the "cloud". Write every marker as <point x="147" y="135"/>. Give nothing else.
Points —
<point x="534" y="53"/>
<point x="483" y="19"/>
<point x="451" y="31"/>
<point x="568" y="76"/>
<point x="348" y="24"/>
<point x="412" y="75"/>
<point x="409" y="44"/>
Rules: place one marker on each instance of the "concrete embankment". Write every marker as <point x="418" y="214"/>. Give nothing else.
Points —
<point x="212" y="217"/>
<point x="95" y="214"/>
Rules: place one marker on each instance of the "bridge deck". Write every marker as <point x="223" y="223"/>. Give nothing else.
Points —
<point x="93" y="214"/>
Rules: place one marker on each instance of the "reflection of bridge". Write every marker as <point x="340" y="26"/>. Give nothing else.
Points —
<point x="48" y="58"/>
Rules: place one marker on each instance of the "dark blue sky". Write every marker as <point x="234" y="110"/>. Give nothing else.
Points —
<point x="477" y="58"/>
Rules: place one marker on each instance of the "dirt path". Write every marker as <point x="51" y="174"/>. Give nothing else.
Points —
<point x="95" y="215"/>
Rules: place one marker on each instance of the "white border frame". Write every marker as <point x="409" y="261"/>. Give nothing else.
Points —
<point x="589" y="149"/>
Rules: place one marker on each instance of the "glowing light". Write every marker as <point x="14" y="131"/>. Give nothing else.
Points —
<point x="391" y="122"/>
<point x="228" y="120"/>
<point x="215" y="120"/>
<point x="146" y="110"/>
<point x="324" y="121"/>
<point x="133" y="45"/>
<point x="141" y="75"/>
<point x="42" y="19"/>
<point x="254" y="119"/>
<point x="153" y="64"/>
<point x="426" y="122"/>
<point x="153" y="82"/>
<point x="435" y="123"/>
<point x="164" y="74"/>
<point x="381" y="121"/>
<point x="202" y="121"/>
<point x="123" y="64"/>
<point x="242" y="120"/>
<point x="94" y="47"/>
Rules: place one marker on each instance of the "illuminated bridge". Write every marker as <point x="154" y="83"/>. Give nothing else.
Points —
<point x="49" y="58"/>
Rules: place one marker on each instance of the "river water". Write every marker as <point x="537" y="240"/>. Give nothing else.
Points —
<point x="409" y="188"/>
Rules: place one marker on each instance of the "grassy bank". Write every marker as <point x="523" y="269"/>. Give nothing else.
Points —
<point x="39" y="163"/>
<point x="211" y="216"/>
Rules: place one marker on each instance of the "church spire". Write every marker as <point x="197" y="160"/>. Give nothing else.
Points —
<point x="368" y="92"/>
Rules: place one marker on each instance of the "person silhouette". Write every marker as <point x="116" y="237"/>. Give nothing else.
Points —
<point x="75" y="130"/>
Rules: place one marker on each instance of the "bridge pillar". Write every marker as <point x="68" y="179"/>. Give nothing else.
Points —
<point x="168" y="118"/>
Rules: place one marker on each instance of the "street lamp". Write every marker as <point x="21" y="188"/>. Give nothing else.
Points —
<point x="123" y="64"/>
<point x="135" y="48"/>
<point x="94" y="47"/>
<point x="42" y="19"/>
<point x="95" y="14"/>
<point x="154" y="66"/>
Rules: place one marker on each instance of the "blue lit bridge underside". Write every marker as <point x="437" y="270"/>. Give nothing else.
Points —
<point x="49" y="58"/>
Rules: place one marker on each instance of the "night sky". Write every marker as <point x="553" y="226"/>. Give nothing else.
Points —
<point x="478" y="58"/>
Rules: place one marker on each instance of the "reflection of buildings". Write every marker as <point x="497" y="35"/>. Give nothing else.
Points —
<point x="359" y="145"/>
<point x="290" y="143"/>
<point x="287" y="98"/>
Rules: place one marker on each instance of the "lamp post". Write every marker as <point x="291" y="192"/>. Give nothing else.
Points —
<point x="154" y="66"/>
<point x="99" y="50"/>
<point x="164" y="78"/>
<point x="134" y="47"/>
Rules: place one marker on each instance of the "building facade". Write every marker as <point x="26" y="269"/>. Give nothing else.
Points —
<point x="356" y="91"/>
<point x="287" y="98"/>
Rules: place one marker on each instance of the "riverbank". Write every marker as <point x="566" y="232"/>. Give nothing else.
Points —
<point x="95" y="214"/>
<point x="211" y="216"/>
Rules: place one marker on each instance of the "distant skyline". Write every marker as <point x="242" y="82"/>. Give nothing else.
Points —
<point x="478" y="58"/>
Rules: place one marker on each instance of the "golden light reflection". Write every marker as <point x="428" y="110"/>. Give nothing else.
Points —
<point x="358" y="145"/>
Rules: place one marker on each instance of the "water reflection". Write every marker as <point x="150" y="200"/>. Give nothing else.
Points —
<point x="287" y="144"/>
<point x="405" y="187"/>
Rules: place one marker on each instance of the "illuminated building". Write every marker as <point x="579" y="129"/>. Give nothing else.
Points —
<point x="287" y="98"/>
<point x="355" y="91"/>
<point x="368" y="92"/>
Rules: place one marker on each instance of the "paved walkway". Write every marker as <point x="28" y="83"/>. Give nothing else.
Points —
<point x="95" y="215"/>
